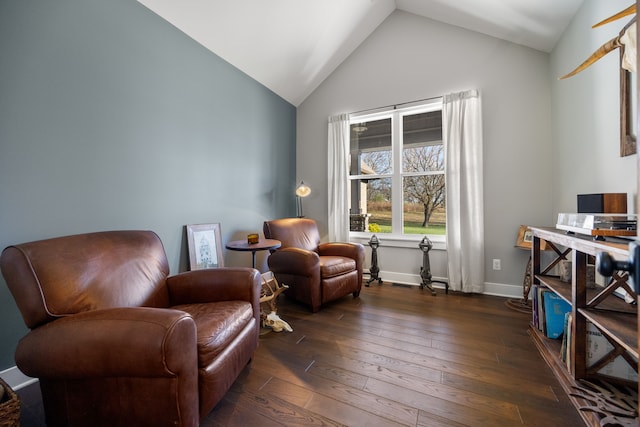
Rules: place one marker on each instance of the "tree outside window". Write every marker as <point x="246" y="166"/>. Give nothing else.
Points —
<point x="397" y="182"/>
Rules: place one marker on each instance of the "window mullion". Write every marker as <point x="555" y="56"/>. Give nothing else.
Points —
<point x="397" y="209"/>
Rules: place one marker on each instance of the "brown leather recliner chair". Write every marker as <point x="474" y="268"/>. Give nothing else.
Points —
<point x="315" y="272"/>
<point x="115" y="341"/>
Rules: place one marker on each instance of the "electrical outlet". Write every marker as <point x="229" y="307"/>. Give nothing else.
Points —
<point x="496" y="264"/>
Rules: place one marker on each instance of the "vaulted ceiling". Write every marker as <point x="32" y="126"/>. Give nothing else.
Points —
<point x="291" y="46"/>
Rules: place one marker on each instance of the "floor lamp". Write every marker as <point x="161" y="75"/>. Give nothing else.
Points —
<point x="302" y="191"/>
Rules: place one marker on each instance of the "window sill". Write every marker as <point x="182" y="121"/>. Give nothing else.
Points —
<point x="395" y="241"/>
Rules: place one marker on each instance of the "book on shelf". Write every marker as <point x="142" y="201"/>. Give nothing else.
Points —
<point x="537" y="311"/>
<point x="565" y="334"/>
<point x="534" y="305"/>
<point x="555" y="309"/>
<point x="548" y="311"/>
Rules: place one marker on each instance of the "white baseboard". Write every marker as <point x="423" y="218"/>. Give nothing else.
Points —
<point x="496" y="289"/>
<point x="502" y="290"/>
<point x="15" y="378"/>
<point x="402" y="278"/>
<point x="408" y="279"/>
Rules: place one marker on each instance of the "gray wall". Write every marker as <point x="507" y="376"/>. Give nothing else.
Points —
<point x="586" y="114"/>
<point x="545" y="140"/>
<point x="110" y="118"/>
<point x="410" y="58"/>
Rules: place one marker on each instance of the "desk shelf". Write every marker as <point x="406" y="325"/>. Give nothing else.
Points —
<point x="615" y="318"/>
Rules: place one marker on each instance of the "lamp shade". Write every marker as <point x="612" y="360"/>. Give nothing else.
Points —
<point x="303" y="190"/>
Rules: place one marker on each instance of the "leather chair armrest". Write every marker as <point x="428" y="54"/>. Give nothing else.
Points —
<point x="135" y="341"/>
<point x="350" y="250"/>
<point x="294" y="261"/>
<point x="214" y="284"/>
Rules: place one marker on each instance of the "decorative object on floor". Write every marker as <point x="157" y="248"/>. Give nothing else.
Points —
<point x="616" y="406"/>
<point x="276" y="323"/>
<point x="9" y="406"/>
<point x="315" y="272"/>
<point x="268" y="295"/>
<point x="302" y="191"/>
<point x="115" y="340"/>
<point x="205" y="246"/>
<point x="374" y="269"/>
<point x="425" y="271"/>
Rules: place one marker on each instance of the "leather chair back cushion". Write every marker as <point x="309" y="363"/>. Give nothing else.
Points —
<point x="293" y="232"/>
<point x="67" y="275"/>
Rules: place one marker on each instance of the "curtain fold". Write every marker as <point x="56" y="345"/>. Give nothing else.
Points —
<point x="338" y="174"/>
<point x="462" y="139"/>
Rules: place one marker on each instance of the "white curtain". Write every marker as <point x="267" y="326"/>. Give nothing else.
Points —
<point x="462" y="139"/>
<point x="338" y="173"/>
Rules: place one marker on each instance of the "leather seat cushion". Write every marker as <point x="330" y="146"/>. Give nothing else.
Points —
<point x="331" y="266"/>
<point x="217" y="324"/>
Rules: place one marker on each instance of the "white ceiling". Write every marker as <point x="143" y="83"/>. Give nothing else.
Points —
<point x="291" y="46"/>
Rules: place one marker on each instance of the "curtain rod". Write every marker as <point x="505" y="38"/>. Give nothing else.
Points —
<point x="395" y="105"/>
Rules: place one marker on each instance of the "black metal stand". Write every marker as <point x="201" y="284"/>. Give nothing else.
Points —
<point x="425" y="271"/>
<point x="374" y="270"/>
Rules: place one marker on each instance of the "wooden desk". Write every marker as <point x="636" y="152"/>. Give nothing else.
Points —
<point x="614" y="318"/>
<point x="262" y="245"/>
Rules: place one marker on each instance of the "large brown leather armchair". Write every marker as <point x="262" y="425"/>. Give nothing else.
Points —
<point x="315" y="272"/>
<point x="115" y="341"/>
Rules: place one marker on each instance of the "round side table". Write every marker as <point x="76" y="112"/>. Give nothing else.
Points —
<point x="262" y="245"/>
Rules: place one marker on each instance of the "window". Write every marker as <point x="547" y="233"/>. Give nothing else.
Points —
<point x="396" y="172"/>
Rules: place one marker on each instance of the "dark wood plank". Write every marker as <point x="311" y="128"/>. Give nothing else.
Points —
<point x="396" y="356"/>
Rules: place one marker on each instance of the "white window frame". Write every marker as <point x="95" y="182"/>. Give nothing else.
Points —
<point x="397" y="238"/>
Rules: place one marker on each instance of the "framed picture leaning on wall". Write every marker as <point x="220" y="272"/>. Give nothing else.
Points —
<point x="525" y="237"/>
<point x="205" y="246"/>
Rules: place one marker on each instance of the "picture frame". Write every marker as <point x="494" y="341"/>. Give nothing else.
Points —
<point x="205" y="246"/>
<point x="525" y="239"/>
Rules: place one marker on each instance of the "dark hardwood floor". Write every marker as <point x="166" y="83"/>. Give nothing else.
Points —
<point x="396" y="356"/>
